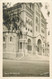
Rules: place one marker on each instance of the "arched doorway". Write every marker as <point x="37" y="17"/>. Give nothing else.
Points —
<point x="39" y="47"/>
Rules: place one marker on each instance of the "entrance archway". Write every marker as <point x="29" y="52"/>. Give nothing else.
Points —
<point x="39" y="47"/>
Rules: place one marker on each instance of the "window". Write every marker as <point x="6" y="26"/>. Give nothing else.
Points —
<point x="43" y="50"/>
<point x="30" y="30"/>
<point x="29" y="47"/>
<point x="36" y="28"/>
<point x="26" y="28"/>
<point x="36" y="19"/>
<point x="4" y="46"/>
<point x="4" y="39"/>
<point x="30" y="5"/>
<point x="38" y="49"/>
<point x="48" y="45"/>
<point x="10" y="38"/>
<point x="43" y="45"/>
<point x="42" y="25"/>
<point x="20" y="45"/>
<point x="26" y="20"/>
<point x="30" y="23"/>
<point x="29" y="41"/>
<point x="42" y="30"/>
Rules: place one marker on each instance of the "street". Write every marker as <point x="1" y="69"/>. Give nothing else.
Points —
<point x="14" y="68"/>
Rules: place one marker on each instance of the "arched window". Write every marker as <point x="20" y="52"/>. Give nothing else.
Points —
<point x="29" y="47"/>
<point x="39" y="42"/>
<point x="29" y="41"/>
<point x="39" y="47"/>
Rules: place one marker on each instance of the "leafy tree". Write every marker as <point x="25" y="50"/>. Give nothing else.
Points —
<point x="14" y="20"/>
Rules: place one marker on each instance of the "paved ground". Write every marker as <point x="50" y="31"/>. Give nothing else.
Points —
<point x="25" y="68"/>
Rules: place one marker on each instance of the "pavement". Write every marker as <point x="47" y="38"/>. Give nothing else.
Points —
<point x="37" y="66"/>
<point x="31" y="58"/>
<point x="25" y="68"/>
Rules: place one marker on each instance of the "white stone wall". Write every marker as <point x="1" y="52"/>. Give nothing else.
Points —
<point x="11" y="46"/>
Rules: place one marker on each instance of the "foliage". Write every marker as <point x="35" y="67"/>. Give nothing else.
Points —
<point x="8" y="20"/>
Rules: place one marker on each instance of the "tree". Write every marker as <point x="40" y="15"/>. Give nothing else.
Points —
<point x="12" y="21"/>
<point x="6" y="19"/>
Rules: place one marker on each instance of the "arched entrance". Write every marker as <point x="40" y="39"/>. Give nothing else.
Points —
<point x="39" y="47"/>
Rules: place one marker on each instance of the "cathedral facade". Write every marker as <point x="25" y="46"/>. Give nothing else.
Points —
<point x="26" y="33"/>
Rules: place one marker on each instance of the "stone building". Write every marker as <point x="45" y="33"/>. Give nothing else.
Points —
<point x="28" y="34"/>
